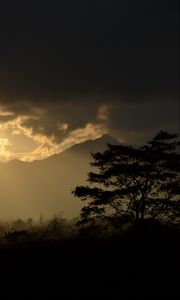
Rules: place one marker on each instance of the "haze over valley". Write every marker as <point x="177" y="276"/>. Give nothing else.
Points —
<point x="43" y="187"/>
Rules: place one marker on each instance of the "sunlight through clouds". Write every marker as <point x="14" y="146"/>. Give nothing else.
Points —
<point x="89" y="132"/>
<point x="19" y="140"/>
<point x="5" y="154"/>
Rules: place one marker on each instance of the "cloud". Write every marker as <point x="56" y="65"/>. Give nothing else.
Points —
<point x="6" y="116"/>
<point x="4" y="142"/>
<point x="137" y="122"/>
<point x="54" y="137"/>
<point x="107" y="66"/>
<point x="89" y="132"/>
<point x="104" y="113"/>
<point x="53" y="127"/>
<point x="48" y="148"/>
<point x="5" y="154"/>
<point x="78" y="51"/>
<point x="56" y="120"/>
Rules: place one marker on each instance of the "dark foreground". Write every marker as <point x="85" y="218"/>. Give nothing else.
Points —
<point x="134" y="265"/>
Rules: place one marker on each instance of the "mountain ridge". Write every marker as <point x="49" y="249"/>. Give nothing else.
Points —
<point x="43" y="187"/>
<point x="106" y="139"/>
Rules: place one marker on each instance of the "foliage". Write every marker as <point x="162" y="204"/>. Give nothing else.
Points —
<point x="21" y="231"/>
<point x="134" y="183"/>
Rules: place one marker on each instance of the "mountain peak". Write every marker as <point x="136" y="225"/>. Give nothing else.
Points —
<point x="95" y="145"/>
<point x="108" y="139"/>
<point x="44" y="186"/>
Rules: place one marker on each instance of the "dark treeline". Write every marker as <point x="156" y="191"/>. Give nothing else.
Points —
<point x="125" y="243"/>
<point x="58" y="260"/>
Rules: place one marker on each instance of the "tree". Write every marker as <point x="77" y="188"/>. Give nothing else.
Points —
<point x="134" y="184"/>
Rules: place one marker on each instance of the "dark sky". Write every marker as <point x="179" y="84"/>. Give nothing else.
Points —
<point x="61" y="62"/>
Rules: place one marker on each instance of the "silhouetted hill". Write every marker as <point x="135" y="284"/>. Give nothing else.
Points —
<point x="85" y="148"/>
<point x="44" y="186"/>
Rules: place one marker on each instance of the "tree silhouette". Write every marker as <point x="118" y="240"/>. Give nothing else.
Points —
<point x="134" y="184"/>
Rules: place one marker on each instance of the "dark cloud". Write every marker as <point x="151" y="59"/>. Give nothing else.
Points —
<point x="50" y="121"/>
<point x="61" y="60"/>
<point x="132" y="121"/>
<point x="138" y="121"/>
<point x="82" y="48"/>
<point x="47" y="118"/>
<point x="7" y="117"/>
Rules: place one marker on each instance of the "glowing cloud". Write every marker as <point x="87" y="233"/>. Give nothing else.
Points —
<point x="43" y="144"/>
<point x="5" y="154"/>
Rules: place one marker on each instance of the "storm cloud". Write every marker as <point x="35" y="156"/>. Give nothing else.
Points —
<point x="62" y="62"/>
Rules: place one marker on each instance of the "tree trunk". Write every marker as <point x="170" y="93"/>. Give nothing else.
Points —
<point x="142" y="214"/>
<point x="142" y="210"/>
<point x="137" y="214"/>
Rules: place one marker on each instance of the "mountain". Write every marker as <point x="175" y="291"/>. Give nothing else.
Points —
<point x="44" y="186"/>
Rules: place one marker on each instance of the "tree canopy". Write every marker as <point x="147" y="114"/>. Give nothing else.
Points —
<point x="134" y="184"/>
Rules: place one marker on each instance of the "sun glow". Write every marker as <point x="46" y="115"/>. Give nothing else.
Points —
<point x="26" y="137"/>
<point x="5" y="154"/>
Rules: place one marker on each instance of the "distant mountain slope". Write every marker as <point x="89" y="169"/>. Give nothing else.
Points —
<point x="44" y="187"/>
